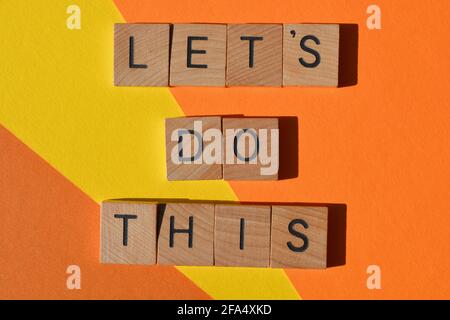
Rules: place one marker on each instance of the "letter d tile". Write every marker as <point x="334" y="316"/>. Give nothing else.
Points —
<point x="189" y="143"/>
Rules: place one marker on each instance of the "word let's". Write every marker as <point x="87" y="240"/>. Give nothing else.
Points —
<point x="226" y="55"/>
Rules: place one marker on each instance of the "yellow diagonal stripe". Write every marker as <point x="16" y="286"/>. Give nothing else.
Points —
<point x="57" y="97"/>
<point x="242" y="283"/>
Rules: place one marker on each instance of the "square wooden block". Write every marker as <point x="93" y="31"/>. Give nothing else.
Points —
<point x="254" y="55"/>
<point x="186" y="236"/>
<point x="242" y="236"/>
<point x="185" y="146"/>
<point x="299" y="237"/>
<point x="251" y="148"/>
<point x="311" y="55"/>
<point x="141" y="54"/>
<point x="128" y="232"/>
<point x="198" y="55"/>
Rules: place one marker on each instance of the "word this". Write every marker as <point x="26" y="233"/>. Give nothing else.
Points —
<point x="210" y="148"/>
<point x="209" y="234"/>
<point x="226" y="55"/>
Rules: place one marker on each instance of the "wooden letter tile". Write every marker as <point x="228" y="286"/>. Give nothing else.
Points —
<point x="251" y="148"/>
<point x="242" y="236"/>
<point x="186" y="235"/>
<point x="184" y="152"/>
<point x="198" y="55"/>
<point x="128" y="232"/>
<point x="299" y="237"/>
<point x="311" y="55"/>
<point x="254" y="55"/>
<point x="141" y="54"/>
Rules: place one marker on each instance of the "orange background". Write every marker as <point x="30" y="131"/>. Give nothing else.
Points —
<point x="381" y="147"/>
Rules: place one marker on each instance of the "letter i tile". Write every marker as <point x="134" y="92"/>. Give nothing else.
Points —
<point x="242" y="236"/>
